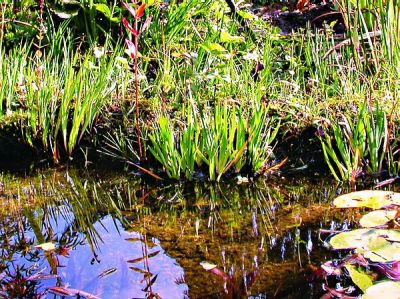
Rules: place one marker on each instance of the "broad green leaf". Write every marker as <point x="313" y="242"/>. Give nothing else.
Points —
<point x="378" y="245"/>
<point x="351" y="239"/>
<point x="383" y="290"/>
<point x="246" y="15"/>
<point x="381" y="251"/>
<point x="213" y="48"/>
<point x="360" y="278"/>
<point x="105" y="10"/>
<point x="361" y="238"/>
<point x="227" y="38"/>
<point x="377" y="218"/>
<point x="374" y="199"/>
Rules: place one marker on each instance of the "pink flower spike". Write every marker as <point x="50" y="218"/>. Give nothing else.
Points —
<point x="131" y="48"/>
<point x="146" y="23"/>
<point x="130" y="9"/>
<point x="129" y="27"/>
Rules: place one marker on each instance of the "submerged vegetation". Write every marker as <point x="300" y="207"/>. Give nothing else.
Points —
<point x="207" y="92"/>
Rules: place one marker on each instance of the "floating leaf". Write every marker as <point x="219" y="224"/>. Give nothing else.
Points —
<point x="387" y="289"/>
<point x="360" y="278"/>
<point x="49" y="246"/>
<point x="349" y="240"/>
<point x="378" y="245"/>
<point x="374" y="199"/>
<point x="227" y="38"/>
<point x="377" y="218"/>
<point x="381" y="250"/>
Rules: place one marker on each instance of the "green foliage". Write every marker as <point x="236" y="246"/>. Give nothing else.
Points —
<point x="357" y="146"/>
<point x="56" y="101"/>
<point x="227" y="138"/>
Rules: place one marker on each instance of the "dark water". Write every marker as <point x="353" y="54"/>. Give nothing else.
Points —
<point x="118" y="237"/>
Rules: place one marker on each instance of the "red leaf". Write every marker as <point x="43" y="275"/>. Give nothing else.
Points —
<point x="129" y="27"/>
<point x="140" y="11"/>
<point x="129" y="8"/>
<point x="131" y="48"/>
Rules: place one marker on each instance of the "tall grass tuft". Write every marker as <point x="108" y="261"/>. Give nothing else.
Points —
<point x="58" y="94"/>
<point x="358" y="147"/>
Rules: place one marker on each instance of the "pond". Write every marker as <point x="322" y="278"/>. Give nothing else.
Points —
<point x="72" y="233"/>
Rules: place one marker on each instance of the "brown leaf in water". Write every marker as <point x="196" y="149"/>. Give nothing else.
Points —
<point x="144" y="257"/>
<point x="152" y="281"/>
<point x="62" y="291"/>
<point x="145" y="272"/>
<point x="107" y="272"/>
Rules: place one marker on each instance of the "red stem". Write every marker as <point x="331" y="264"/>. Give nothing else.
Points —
<point x="137" y="95"/>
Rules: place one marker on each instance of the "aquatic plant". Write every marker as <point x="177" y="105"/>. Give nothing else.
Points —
<point x="370" y="21"/>
<point x="132" y="48"/>
<point x="357" y="147"/>
<point x="374" y="264"/>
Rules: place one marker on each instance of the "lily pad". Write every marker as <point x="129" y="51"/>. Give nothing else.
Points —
<point x="381" y="251"/>
<point x="351" y="239"/>
<point x="360" y="278"/>
<point x="387" y="290"/>
<point x="377" y="218"/>
<point x="374" y="199"/>
<point x="378" y="245"/>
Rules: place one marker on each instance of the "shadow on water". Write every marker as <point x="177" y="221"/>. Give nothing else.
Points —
<point x="119" y="238"/>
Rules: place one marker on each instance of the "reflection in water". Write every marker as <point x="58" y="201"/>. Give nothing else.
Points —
<point x="93" y="255"/>
<point x="124" y="239"/>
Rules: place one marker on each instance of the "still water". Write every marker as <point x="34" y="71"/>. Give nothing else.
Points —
<point x="116" y="236"/>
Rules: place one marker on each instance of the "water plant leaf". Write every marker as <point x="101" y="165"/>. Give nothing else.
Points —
<point x="374" y="199"/>
<point x="387" y="289"/>
<point x="378" y="245"/>
<point x="349" y="240"/>
<point x="49" y="246"/>
<point x="362" y="238"/>
<point x="377" y="218"/>
<point x="360" y="278"/>
<point x="381" y="250"/>
<point x="390" y="270"/>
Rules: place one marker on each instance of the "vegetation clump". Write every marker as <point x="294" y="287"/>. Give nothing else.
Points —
<point x="213" y="92"/>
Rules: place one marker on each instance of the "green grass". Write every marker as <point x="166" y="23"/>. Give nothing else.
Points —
<point x="211" y="98"/>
